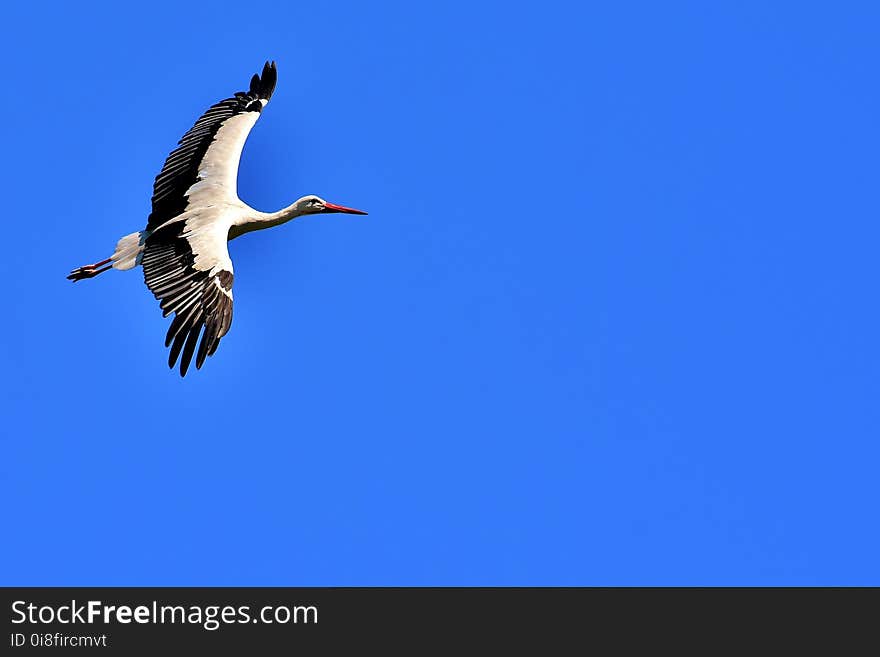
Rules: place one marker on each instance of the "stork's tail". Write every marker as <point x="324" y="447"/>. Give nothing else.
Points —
<point x="127" y="255"/>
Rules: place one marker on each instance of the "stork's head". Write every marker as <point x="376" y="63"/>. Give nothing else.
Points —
<point x="316" y="205"/>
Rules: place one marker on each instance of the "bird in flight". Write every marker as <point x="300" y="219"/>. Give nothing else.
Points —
<point x="195" y="212"/>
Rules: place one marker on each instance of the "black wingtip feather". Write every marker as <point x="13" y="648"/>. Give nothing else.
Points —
<point x="263" y="85"/>
<point x="175" y="349"/>
<point x="189" y="348"/>
<point x="205" y="344"/>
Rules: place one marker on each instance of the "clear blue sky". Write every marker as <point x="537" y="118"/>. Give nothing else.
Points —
<point x="612" y="319"/>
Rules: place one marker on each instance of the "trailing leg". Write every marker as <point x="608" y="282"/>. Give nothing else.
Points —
<point x="89" y="271"/>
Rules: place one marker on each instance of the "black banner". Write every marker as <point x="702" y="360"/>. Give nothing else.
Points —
<point x="246" y="619"/>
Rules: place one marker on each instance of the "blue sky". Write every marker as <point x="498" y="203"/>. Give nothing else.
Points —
<point x="612" y="318"/>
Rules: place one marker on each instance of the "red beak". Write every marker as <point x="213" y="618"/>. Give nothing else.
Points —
<point x="332" y="207"/>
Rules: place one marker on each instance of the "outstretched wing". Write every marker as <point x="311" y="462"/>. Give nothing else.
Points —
<point x="203" y="169"/>
<point x="187" y="267"/>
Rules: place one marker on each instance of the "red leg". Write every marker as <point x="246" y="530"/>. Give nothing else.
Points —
<point x="90" y="271"/>
<point x="97" y="264"/>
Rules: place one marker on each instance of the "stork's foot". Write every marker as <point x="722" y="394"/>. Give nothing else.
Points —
<point x="89" y="271"/>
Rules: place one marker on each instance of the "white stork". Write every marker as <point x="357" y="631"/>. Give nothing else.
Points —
<point x="196" y="211"/>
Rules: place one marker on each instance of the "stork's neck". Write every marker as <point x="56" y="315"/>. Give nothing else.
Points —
<point x="256" y="220"/>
